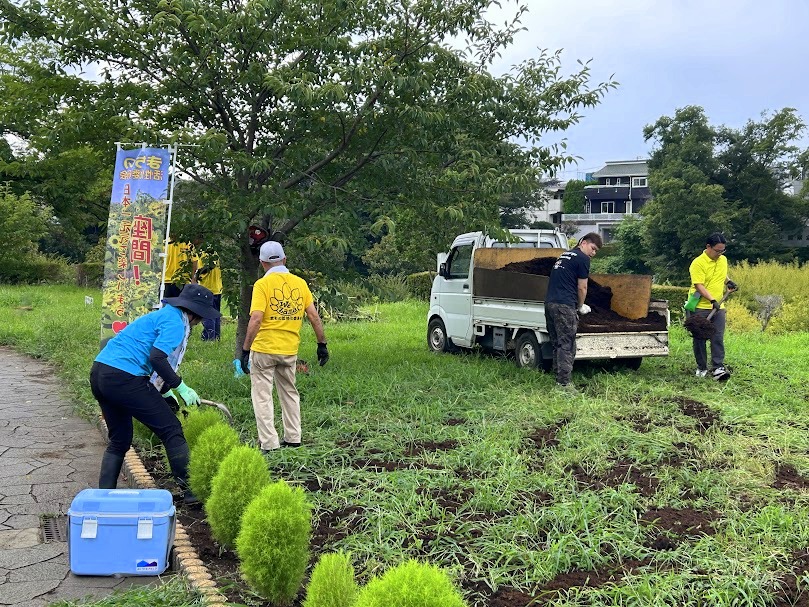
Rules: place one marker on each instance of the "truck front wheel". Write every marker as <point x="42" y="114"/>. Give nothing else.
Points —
<point x="527" y="353"/>
<point x="437" y="339"/>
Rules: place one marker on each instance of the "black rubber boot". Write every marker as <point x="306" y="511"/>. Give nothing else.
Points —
<point x="178" y="460"/>
<point x="110" y="470"/>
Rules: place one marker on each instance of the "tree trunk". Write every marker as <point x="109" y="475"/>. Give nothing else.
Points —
<point x="249" y="275"/>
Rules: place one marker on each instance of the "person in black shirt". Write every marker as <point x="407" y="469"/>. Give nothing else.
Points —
<point x="567" y="290"/>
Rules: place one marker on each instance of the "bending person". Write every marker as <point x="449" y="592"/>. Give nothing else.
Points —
<point x="120" y="382"/>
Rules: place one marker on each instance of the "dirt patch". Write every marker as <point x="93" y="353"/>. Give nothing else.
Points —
<point x="787" y="593"/>
<point x="787" y="477"/>
<point x="622" y="472"/>
<point x="546" y="437"/>
<point x="455" y="421"/>
<point x="704" y="416"/>
<point x="422" y="447"/>
<point x="672" y="526"/>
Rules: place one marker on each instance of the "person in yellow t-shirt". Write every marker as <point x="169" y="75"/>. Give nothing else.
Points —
<point x="181" y="267"/>
<point x="709" y="277"/>
<point x="280" y="301"/>
<point x="209" y="275"/>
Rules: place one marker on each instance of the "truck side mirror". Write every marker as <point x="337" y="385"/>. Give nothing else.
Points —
<point x="442" y="270"/>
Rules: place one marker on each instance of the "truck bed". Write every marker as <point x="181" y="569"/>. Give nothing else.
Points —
<point x="515" y="314"/>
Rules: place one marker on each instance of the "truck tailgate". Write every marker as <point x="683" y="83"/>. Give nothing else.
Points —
<point x="621" y="345"/>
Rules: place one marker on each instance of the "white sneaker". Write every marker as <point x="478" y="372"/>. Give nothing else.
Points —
<point x="702" y="373"/>
<point x="720" y="373"/>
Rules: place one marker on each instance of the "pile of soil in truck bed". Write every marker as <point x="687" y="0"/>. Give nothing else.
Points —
<point x="601" y="319"/>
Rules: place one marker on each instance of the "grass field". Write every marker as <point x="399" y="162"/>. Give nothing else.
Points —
<point x="652" y="488"/>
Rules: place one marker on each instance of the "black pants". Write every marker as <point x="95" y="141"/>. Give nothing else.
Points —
<point x="562" y="322"/>
<point x="211" y="326"/>
<point x="123" y="396"/>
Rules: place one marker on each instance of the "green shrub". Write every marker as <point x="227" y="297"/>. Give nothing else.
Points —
<point x="389" y="287"/>
<point x="739" y="319"/>
<point x="211" y="448"/>
<point x="90" y="274"/>
<point x="199" y="420"/>
<point x="791" y="318"/>
<point x="420" y="284"/>
<point x="769" y="278"/>
<point x="411" y="584"/>
<point x="241" y="476"/>
<point x="273" y="544"/>
<point x="332" y="583"/>
<point x="676" y="296"/>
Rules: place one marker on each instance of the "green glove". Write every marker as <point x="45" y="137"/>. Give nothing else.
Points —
<point x="187" y="394"/>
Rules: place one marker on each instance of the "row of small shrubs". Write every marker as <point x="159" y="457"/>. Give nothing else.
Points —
<point x="269" y="525"/>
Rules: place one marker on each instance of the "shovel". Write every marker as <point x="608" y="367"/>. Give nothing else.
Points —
<point x="701" y="327"/>
<point x="225" y="411"/>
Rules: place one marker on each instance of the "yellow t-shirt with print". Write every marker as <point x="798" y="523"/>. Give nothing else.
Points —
<point x="212" y="279"/>
<point x="711" y="274"/>
<point x="177" y="255"/>
<point x="283" y="297"/>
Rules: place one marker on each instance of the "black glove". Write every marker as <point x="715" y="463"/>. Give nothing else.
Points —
<point x="732" y="286"/>
<point x="245" y="361"/>
<point x="716" y="305"/>
<point x="322" y="354"/>
<point x="171" y="401"/>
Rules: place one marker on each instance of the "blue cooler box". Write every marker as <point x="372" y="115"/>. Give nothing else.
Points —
<point x="120" y="531"/>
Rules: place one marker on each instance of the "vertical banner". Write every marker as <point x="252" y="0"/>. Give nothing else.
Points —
<point x="133" y="267"/>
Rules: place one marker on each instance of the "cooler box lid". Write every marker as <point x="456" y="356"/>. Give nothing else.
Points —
<point x="122" y="502"/>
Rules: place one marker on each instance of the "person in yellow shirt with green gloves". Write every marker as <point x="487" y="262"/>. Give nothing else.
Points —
<point x="270" y="351"/>
<point x="209" y="275"/>
<point x="709" y="277"/>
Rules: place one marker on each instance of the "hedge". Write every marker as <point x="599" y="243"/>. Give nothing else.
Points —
<point x="420" y="284"/>
<point x="90" y="274"/>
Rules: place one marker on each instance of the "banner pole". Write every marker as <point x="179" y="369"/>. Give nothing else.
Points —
<point x="170" y="202"/>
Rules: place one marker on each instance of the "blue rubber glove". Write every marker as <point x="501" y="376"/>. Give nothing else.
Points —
<point x="237" y="368"/>
<point x="187" y="394"/>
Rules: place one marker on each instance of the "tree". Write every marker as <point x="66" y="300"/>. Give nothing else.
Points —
<point x="706" y="179"/>
<point x="319" y="117"/>
<point x="22" y="224"/>
<point x="573" y="199"/>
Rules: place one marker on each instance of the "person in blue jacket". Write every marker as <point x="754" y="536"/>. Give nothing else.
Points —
<point x="135" y="375"/>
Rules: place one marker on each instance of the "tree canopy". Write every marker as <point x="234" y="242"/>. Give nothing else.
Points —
<point x="573" y="199"/>
<point x="708" y="179"/>
<point x="324" y="119"/>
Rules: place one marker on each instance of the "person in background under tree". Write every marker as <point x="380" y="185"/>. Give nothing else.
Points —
<point x="564" y="301"/>
<point x="181" y="268"/>
<point x="120" y="381"/>
<point x="209" y="275"/>
<point x="709" y="277"/>
<point x="280" y="300"/>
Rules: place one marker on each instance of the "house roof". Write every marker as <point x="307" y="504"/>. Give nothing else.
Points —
<point x="623" y="168"/>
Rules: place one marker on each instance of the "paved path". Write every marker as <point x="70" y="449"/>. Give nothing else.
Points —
<point x="47" y="455"/>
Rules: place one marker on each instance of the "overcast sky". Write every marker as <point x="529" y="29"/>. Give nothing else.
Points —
<point x="735" y="58"/>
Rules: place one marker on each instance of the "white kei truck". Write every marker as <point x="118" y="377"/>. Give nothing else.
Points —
<point x="475" y="302"/>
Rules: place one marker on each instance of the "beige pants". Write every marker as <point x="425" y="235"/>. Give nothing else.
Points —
<point x="280" y="369"/>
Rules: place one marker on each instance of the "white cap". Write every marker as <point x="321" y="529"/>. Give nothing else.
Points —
<point x="271" y="251"/>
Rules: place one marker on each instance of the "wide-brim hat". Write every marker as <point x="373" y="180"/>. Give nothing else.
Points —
<point x="196" y="299"/>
